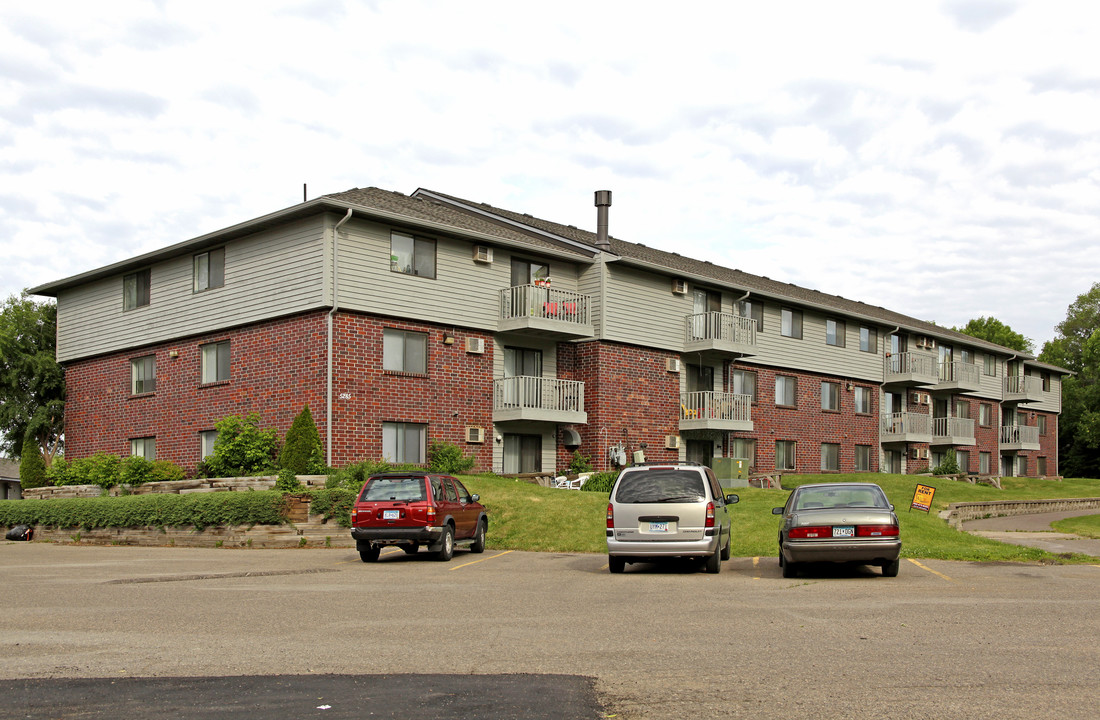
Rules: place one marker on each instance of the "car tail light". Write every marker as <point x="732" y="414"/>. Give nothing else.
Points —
<point x="812" y="531"/>
<point x="877" y="531"/>
<point x="710" y="515"/>
<point x="430" y="512"/>
<point x="610" y="516"/>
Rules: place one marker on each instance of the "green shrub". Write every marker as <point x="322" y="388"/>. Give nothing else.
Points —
<point x="165" y="471"/>
<point x="288" y="482"/>
<point x="242" y="448"/>
<point x="100" y="469"/>
<point x="600" y="482"/>
<point x="302" y="447"/>
<point x="949" y="466"/>
<point x="333" y="503"/>
<point x="32" y="468"/>
<point x="354" y="475"/>
<point x="580" y="463"/>
<point x="445" y="457"/>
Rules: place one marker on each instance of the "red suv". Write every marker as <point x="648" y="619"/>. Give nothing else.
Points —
<point x="414" y="509"/>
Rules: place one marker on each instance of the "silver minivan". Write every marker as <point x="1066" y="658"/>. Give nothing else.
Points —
<point x="662" y="510"/>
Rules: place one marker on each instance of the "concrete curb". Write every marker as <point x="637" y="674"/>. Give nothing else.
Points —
<point x="958" y="513"/>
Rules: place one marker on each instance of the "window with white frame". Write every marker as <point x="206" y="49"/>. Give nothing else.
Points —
<point x="868" y="339"/>
<point x="404" y="351"/>
<point x="215" y="362"/>
<point x="145" y="447"/>
<point x="863" y="458"/>
<point x="209" y="270"/>
<point x="143" y="375"/>
<point x="791" y="323"/>
<point x="834" y="332"/>
<point x="962" y="457"/>
<point x="135" y="289"/>
<point x="412" y="255"/>
<point x="830" y="456"/>
<point x="744" y="383"/>
<point x="207" y="438"/>
<point x="784" y="454"/>
<point x="786" y="390"/>
<point x="862" y="399"/>
<point x="962" y="409"/>
<point x="404" y="442"/>
<point x="830" y="395"/>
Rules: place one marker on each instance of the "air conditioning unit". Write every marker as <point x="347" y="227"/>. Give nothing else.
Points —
<point x="483" y="254"/>
<point x="927" y="399"/>
<point x="679" y="286"/>
<point x="475" y="345"/>
<point x="672" y="442"/>
<point x="914" y="397"/>
<point x="919" y="453"/>
<point x="475" y="434"/>
<point x="672" y="365"/>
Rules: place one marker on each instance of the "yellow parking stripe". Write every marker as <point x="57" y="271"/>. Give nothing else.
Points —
<point x="474" y="562"/>
<point x="925" y="567"/>
<point x="756" y="567"/>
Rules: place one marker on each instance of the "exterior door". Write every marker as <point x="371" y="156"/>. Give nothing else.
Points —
<point x="521" y="363"/>
<point x="702" y="302"/>
<point x="700" y="451"/>
<point x="522" y="454"/>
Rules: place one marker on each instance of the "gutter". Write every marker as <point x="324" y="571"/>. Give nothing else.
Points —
<point x="331" y="313"/>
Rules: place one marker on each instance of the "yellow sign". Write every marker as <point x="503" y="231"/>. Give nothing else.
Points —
<point x="922" y="498"/>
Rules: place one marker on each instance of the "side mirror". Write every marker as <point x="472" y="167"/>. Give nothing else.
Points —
<point x="732" y="498"/>
<point x="475" y="498"/>
<point x="777" y="511"/>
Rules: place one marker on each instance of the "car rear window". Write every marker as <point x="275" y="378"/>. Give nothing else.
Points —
<point x="653" y="486"/>
<point x="394" y="488"/>
<point x="813" y="498"/>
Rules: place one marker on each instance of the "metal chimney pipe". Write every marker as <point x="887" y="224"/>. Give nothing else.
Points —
<point x="603" y="202"/>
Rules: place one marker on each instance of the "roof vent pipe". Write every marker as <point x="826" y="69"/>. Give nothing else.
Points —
<point x="603" y="202"/>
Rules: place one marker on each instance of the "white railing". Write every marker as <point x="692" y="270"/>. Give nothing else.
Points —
<point x="907" y="363"/>
<point x="961" y="372"/>
<point x="538" y="393"/>
<point x="1021" y="385"/>
<point x="902" y="423"/>
<point x="707" y="405"/>
<point x="543" y="302"/>
<point x="1018" y="434"/>
<point x="720" y="326"/>
<point x="952" y="427"/>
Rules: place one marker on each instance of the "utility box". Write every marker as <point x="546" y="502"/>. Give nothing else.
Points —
<point x="731" y="472"/>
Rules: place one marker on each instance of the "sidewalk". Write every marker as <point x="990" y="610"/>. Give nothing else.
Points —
<point x="1034" y="531"/>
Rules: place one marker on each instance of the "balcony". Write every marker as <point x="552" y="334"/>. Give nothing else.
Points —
<point x="905" y="427"/>
<point x="1019" y="437"/>
<point x="910" y="369"/>
<point x="545" y="312"/>
<point x="719" y="333"/>
<point x="1022" y="389"/>
<point x="540" y="399"/>
<point x="715" y="411"/>
<point x="958" y="376"/>
<point x="952" y="431"/>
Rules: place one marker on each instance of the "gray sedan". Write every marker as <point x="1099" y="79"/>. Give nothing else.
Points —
<point x="839" y="522"/>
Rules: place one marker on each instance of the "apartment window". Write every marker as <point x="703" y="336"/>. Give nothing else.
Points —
<point x="791" y="323"/>
<point x="135" y="289"/>
<point x="962" y="457"/>
<point x="744" y="383"/>
<point x="754" y="310"/>
<point x="744" y="448"/>
<point x="965" y="356"/>
<point x="143" y="375"/>
<point x="830" y="457"/>
<point x="1042" y="421"/>
<point x="862" y="399"/>
<point x="526" y="272"/>
<point x="1021" y="466"/>
<point x="985" y="415"/>
<point x="962" y="409"/>
<point x="863" y="458"/>
<point x="834" y="332"/>
<point x="786" y="388"/>
<point x="145" y="447"/>
<point x="868" y="340"/>
<point x="404" y="442"/>
<point x="983" y="463"/>
<point x="215" y="362"/>
<point x="1046" y="382"/>
<point x="404" y="351"/>
<point x="209" y="270"/>
<point x="990" y="365"/>
<point x="830" y="396"/>
<point x="784" y="454"/>
<point x="207" y="438"/>
<point x="1041" y="466"/>
<point x="412" y="255"/>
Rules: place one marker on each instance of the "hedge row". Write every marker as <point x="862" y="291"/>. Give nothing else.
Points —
<point x="200" y="510"/>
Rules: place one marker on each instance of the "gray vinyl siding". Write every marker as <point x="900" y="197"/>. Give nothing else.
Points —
<point x="589" y="281"/>
<point x="549" y="350"/>
<point x="267" y="275"/>
<point x="1052" y="400"/>
<point x="811" y="353"/>
<point x="463" y="293"/>
<point x="643" y="310"/>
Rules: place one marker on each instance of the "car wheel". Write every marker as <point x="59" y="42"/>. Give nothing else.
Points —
<point x="370" y="554"/>
<point x="615" y="563"/>
<point x="890" y="569"/>
<point x="790" y="570"/>
<point x="478" y="545"/>
<point x="714" y="563"/>
<point x="410" y="549"/>
<point x="447" y="545"/>
<point x="726" y="549"/>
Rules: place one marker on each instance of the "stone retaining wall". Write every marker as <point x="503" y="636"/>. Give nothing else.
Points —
<point x="958" y="513"/>
<point x="237" y="484"/>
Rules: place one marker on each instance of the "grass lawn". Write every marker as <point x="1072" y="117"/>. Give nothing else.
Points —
<point x="528" y="517"/>
<point x="1085" y="526"/>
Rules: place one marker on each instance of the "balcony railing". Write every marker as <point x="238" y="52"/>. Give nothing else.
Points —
<point x="720" y="332"/>
<point x="709" y="410"/>
<point x="1019" y="437"/>
<point x="952" y="431"/>
<point x="1022" y="388"/>
<point x="545" y="310"/>
<point x="524" y="397"/>
<point x="905" y="427"/>
<point x="911" y="369"/>
<point x="957" y="375"/>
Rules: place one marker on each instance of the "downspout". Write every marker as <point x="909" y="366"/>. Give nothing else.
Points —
<point x="331" y="313"/>
<point x="881" y="394"/>
<point x="1001" y="419"/>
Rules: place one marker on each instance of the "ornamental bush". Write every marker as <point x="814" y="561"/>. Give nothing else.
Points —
<point x="445" y="457"/>
<point x="32" y="468"/>
<point x="302" y="447"/>
<point x="949" y="466"/>
<point x="242" y="448"/>
<point x="600" y="482"/>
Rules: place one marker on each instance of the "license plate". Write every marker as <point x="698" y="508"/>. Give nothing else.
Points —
<point x="844" y="531"/>
<point x="661" y="526"/>
<point x="391" y="514"/>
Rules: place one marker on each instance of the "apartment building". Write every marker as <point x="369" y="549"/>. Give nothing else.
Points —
<point x="408" y="319"/>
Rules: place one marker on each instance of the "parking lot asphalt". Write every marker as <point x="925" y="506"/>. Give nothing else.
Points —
<point x="944" y="639"/>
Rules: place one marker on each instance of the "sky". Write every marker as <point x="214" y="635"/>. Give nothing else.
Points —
<point x="940" y="159"/>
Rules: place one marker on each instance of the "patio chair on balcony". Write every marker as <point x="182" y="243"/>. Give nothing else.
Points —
<point x="689" y="414"/>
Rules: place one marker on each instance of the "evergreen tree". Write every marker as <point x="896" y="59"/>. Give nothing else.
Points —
<point x="32" y="468"/>
<point x="302" y="446"/>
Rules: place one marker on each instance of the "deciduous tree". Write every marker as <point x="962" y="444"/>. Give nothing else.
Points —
<point x="994" y="331"/>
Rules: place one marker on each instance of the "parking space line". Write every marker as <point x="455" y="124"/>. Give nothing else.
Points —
<point x="925" y="567"/>
<point x="756" y="567"/>
<point x="474" y="562"/>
